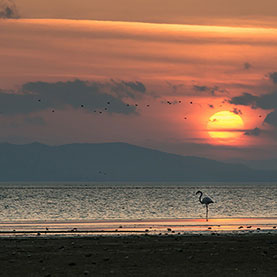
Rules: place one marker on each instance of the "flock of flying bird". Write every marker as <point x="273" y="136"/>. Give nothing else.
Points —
<point x="127" y="105"/>
<point x="136" y="105"/>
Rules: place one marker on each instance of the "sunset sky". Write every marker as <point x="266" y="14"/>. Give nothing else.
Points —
<point x="147" y="72"/>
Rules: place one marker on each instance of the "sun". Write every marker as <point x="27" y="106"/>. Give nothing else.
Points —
<point x="225" y="125"/>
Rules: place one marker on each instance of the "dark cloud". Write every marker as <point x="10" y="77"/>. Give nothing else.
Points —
<point x="237" y="111"/>
<point x="266" y="101"/>
<point x="246" y="99"/>
<point x="211" y="90"/>
<point x="201" y="88"/>
<point x="255" y="132"/>
<point x="247" y="66"/>
<point x="271" y="118"/>
<point x="175" y="87"/>
<point x="273" y="77"/>
<point x="137" y="86"/>
<point x="8" y="9"/>
<point x="123" y="89"/>
<point x="38" y="96"/>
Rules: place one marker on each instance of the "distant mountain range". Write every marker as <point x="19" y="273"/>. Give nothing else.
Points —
<point x="116" y="162"/>
<point x="270" y="164"/>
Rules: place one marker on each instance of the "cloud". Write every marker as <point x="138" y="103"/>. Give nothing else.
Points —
<point x="271" y="118"/>
<point x="246" y="99"/>
<point x="255" y="132"/>
<point x="77" y="94"/>
<point x="273" y="77"/>
<point x="175" y="87"/>
<point x="247" y="66"/>
<point x="124" y="89"/>
<point x="266" y="101"/>
<point x="211" y="90"/>
<point x="8" y="9"/>
<point x="137" y="86"/>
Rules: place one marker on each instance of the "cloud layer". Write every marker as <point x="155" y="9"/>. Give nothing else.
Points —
<point x="90" y="96"/>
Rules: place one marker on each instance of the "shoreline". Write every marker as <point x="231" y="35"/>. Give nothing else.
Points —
<point x="150" y="226"/>
<point x="140" y="255"/>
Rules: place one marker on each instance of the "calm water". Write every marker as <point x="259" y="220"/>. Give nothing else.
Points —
<point x="133" y="201"/>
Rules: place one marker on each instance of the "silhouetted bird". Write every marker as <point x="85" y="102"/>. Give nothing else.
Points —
<point x="206" y="201"/>
<point x="82" y="106"/>
<point x="190" y="102"/>
<point x="108" y="103"/>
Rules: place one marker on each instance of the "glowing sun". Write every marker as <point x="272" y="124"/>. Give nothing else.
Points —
<point x="225" y="125"/>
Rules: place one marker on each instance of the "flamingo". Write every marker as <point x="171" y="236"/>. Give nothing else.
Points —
<point x="206" y="201"/>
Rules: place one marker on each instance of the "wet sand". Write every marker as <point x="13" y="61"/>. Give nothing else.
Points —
<point x="140" y="255"/>
<point x="155" y="226"/>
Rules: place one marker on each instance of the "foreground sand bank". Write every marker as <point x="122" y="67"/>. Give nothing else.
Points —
<point x="145" y="255"/>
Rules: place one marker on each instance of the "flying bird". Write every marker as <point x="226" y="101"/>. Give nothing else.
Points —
<point x="206" y="200"/>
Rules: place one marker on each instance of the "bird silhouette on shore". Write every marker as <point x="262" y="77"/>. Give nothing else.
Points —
<point x="206" y="201"/>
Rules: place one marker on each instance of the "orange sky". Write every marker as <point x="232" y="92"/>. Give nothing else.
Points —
<point x="235" y="12"/>
<point x="205" y="64"/>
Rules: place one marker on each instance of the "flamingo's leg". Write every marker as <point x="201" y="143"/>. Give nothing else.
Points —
<point x="207" y="211"/>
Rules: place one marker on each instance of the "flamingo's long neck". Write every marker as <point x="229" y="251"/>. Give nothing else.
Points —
<point x="200" y="197"/>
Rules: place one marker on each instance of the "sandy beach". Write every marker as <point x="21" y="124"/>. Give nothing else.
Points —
<point x="140" y="255"/>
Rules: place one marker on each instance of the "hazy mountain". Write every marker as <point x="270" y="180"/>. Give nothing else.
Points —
<point x="270" y="164"/>
<point x="114" y="162"/>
